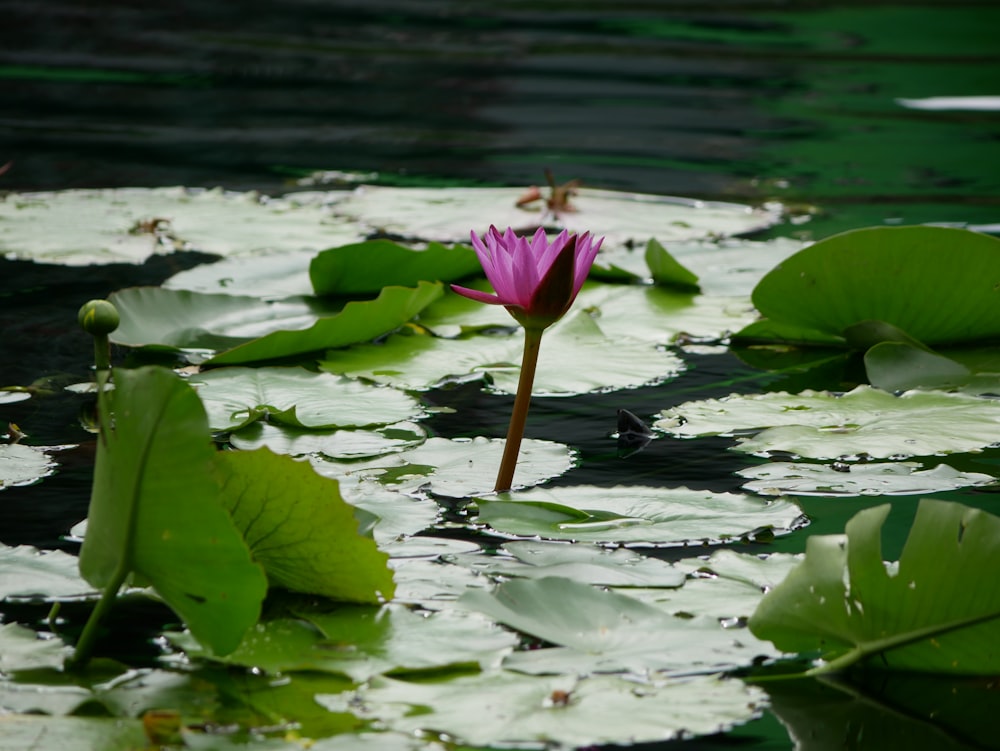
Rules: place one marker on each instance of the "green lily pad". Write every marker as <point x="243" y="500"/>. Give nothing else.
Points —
<point x="576" y="358"/>
<point x="883" y="274"/>
<point x="370" y="266"/>
<point x="336" y="444"/>
<point x="635" y="514"/>
<point x="128" y="225"/>
<point x="538" y="712"/>
<point x="844" y="602"/>
<point x="821" y="425"/>
<point x="27" y="573"/>
<point x="300" y="528"/>
<point x="236" y="397"/>
<point x="447" y="214"/>
<point x="397" y="515"/>
<point x="874" y="478"/>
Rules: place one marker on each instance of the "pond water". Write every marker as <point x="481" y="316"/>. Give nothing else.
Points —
<point x="851" y="114"/>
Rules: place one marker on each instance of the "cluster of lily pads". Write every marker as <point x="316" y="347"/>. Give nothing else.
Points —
<point x="281" y="494"/>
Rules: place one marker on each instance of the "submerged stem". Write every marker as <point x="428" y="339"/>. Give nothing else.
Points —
<point x="519" y="415"/>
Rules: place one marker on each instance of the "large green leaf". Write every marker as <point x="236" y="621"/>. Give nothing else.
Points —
<point x="658" y="516"/>
<point x="300" y="528"/>
<point x="937" y="610"/>
<point x="155" y="511"/>
<point x="236" y="397"/>
<point x="939" y="285"/>
<point x="372" y="265"/>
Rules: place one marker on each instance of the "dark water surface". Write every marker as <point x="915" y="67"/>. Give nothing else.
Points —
<point x="818" y="104"/>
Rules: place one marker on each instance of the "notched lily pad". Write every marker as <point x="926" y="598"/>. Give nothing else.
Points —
<point x="336" y="444"/>
<point x="537" y="712"/>
<point x="27" y="573"/>
<point x="822" y="425"/>
<point x="456" y="468"/>
<point x="128" y="225"/>
<point x="447" y="214"/>
<point x="21" y="464"/>
<point x="236" y="397"/>
<point x="576" y="358"/>
<point x="635" y="514"/>
<point x="869" y="479"/>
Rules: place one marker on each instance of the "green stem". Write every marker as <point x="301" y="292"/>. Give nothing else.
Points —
<point x="519" y="415"/>
<point x="85" y="645"/>
<point x="102" y="352"/>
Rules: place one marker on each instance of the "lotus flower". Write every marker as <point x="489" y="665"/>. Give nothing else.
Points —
<point x="537" y="281"/>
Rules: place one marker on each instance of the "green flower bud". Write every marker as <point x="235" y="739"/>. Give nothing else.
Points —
<point x="98" y="317"/>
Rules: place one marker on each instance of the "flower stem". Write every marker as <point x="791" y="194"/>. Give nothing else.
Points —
<point x="519" y="415"/>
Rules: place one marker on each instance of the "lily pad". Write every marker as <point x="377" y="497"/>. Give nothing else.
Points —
<point x="576" y="358"/>
<point x="504" y="708"/>
<point x="456" y="468"/>
<point x="23" y="732"/>
<point x="725" y="266"/>
<point x="23" y="465"/>
<point x="600" y="631"/>
<point x="269" y="276"/>
<point x="128" y="225"/>
<point x="881" y="274"/>
<point x="874" y="478"/>
<point x="362" y="642"/>
<point x="448" y="214"/>
<point x="584" y="563"/>
<point x="235" y="397"/>
<point x="821" y="425"/>
<point x="844" y="602"/>
<point x="336" y="444"/>
<point x="635" y="514"/>
<point x="23" y="649"/>
<point x="27" y="573"/>
<point x="726" y="586"/>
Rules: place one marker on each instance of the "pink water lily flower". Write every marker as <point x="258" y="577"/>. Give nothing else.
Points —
<point x="537" y="281"/>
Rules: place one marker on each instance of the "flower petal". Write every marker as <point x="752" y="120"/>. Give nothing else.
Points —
<point x="475" y="294"/>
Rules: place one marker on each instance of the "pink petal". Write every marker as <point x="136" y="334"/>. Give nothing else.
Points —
<point x="475" y="294"/>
